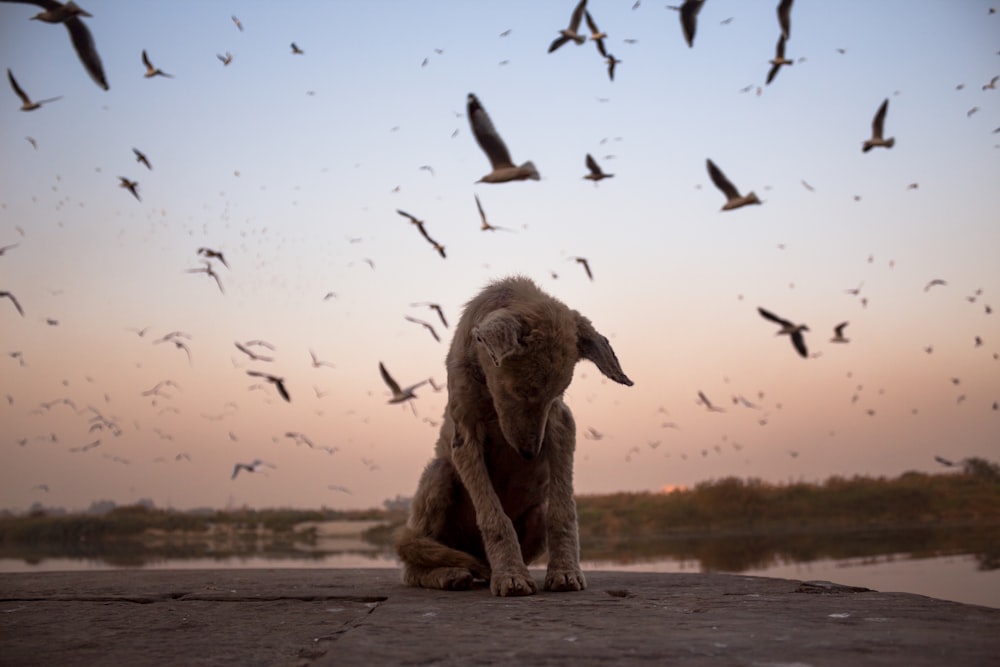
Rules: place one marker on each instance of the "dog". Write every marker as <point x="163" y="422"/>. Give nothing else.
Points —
<point x="499" y="491"/>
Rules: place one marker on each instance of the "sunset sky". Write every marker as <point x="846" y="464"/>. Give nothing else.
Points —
<point x="293" y="166"/>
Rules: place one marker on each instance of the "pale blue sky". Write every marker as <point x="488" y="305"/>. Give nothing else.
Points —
<point x="288" y="164"/>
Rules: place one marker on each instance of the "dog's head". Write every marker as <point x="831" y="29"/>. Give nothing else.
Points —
<point x="527" y="355"/>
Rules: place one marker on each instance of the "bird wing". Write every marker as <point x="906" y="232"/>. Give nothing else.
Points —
<point x="486" y="135"/>
<point x="574" y="19"/>
<point x="407" y="215"/>
<point x="145" y="60"/>
<point x="721" y="181"/>
<point x="839" y="329"/>
<point x="392" y="384"/>
<point x="785" y="17"/>
<point x="779" y="48"/>
<point x="557" y="42"/>
<point x="86" y="49"/>
<point x="414" y="386"/>
<point x="14" y="301"/>
<point x="773" y="72"/>
<point x="482" y="213"/>
<point x="245" y="350"/>
<point x="766" y="314"/>
<point x="279" y="384"/>
<point x="799" y="341"/>
<point x="592" y="165"/>
<point x="689" y="19"/>
<point x="17" y="89"/>
<point x="440" y="313"/>
<point x="704" y="399"/>
<point x="879" y="120"/>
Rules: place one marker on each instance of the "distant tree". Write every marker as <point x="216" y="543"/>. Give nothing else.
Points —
<point x="981" y="468"/>
<point x="101" y="507"/>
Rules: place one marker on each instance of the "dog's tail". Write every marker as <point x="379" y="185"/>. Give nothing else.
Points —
<point x="427" y="553"/>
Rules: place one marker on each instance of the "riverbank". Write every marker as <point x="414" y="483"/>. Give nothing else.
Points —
<point x="355" y="617"/>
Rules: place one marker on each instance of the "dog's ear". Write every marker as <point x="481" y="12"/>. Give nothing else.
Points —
<point x="596" y="347"/>
<point x="499" y="333"/>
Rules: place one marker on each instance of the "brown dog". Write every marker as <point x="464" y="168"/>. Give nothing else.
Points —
<point x="500" y="488"/>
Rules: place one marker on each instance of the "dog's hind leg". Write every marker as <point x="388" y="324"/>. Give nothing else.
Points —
<point x="429" y="564"/>
<point x="426" y="561"/>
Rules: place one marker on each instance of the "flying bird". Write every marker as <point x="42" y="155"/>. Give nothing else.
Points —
<point x="316" y="362"/>
<point x="250" y="467"/>
<point x="878" y="122"/>
<point x="398" y="395"/>
<point x="932" y="283"/>
<point x="141" y="158"/>
<point x="733" y="197"/>
<point x="423" y="231"/>
<point x="245" y="349"/>
<point x="838" y="334"/>
<point x="296" y="50"/>
<point x="793" y="330"/>
<point x="239" y="24"/>
<point x="207" y="269"/>
<point x="279" y="383"/>
<point x="13" y="300"/>
<point x="689" y="19"/>
<point x="785" y="18"/>
<point x="491" y="143"/>
<point x="570" y="33"/>
<point x="596" y="174"/>
<point x="83" y="42"/>
<point x="131" y="186"/>
<point x="436" y="308"/>
<point x="225" y="59"/>
<point x="586" y="265"/>
<point x="426" y="325"/>
<point x="778" y="60"/>
<point x="300" y="439"/>
<point x="703" y="399"/>
<point x="213" y="254"/>
<point x="26" y="103"/>
<point x="486" y="226"/>
<point x="152" y="71"/>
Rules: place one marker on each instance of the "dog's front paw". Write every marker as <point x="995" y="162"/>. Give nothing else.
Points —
<point x="565" y="580"/>
<point x="510" y="583"/>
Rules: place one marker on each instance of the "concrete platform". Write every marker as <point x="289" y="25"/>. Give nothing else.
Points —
<point x="366" y="617"/>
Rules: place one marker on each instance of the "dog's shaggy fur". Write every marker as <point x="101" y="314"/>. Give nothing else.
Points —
<point x="499" y="490"/>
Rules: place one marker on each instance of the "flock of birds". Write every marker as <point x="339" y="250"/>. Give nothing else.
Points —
<point x="503" y="169"/>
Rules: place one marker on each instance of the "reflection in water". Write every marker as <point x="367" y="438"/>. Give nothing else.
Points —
<point x="954" y="563"/>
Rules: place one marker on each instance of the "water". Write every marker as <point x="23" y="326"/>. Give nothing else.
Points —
<point x="954" y="577"/>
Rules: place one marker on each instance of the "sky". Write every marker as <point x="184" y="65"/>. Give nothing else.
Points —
<point x="293" y="166"/>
